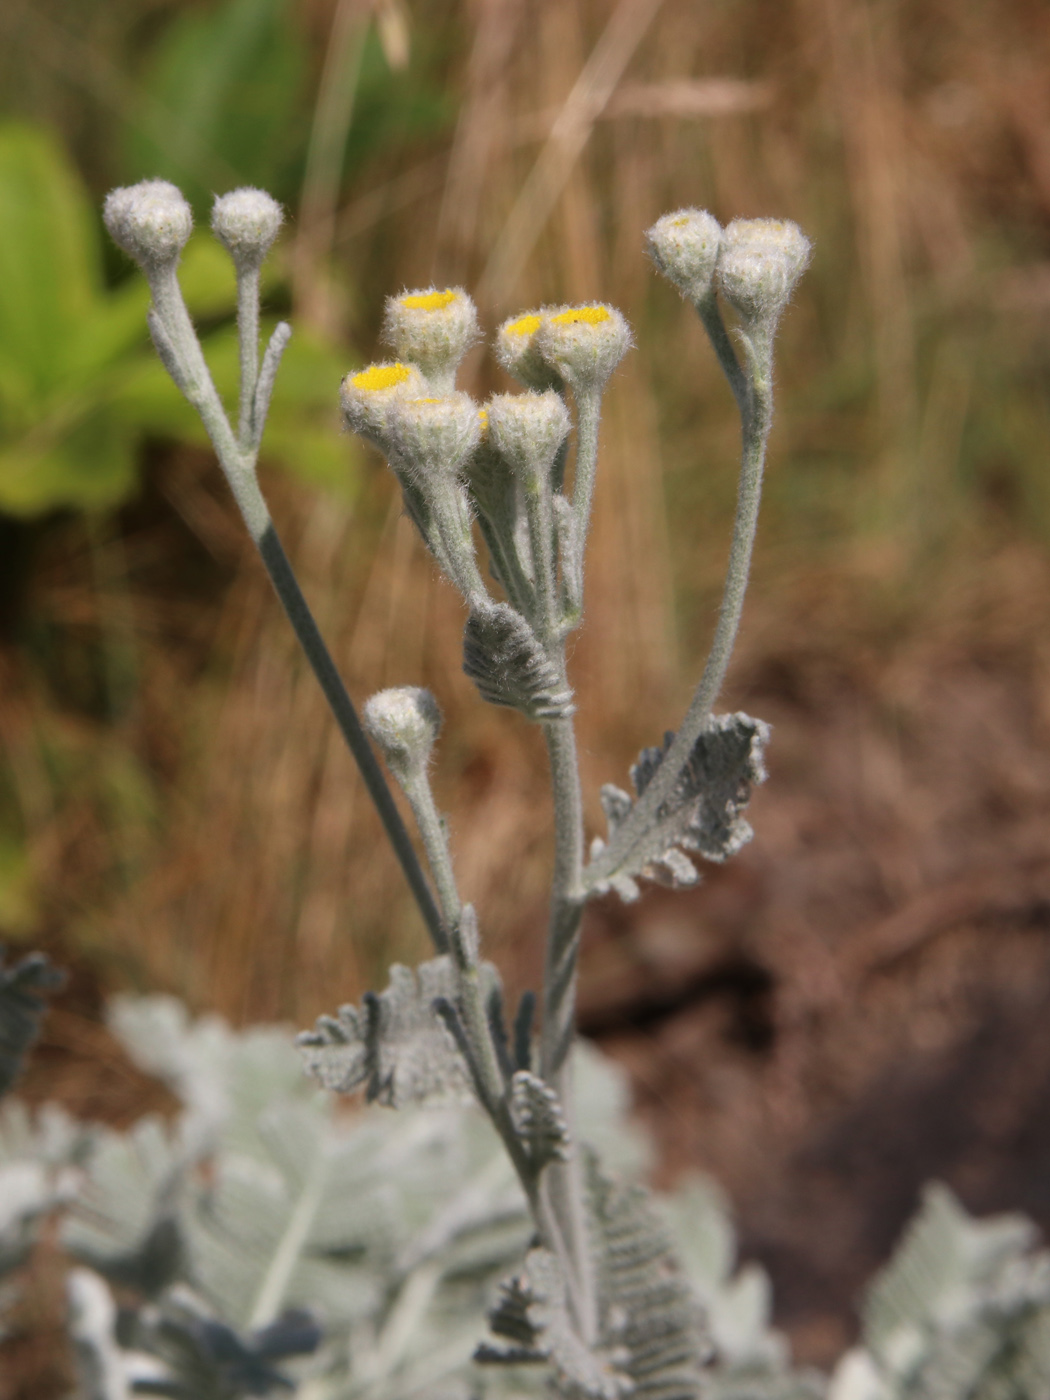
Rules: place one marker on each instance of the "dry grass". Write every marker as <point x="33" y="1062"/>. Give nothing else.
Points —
<point x="919" y="166"/>
<point x="192" y="822"/>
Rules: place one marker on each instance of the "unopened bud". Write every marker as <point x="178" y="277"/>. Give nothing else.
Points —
<point x="684" y="246"/>
<point x="151" y="221"/>
<point x="584" y="344"/>
<point x="527" y="430"/>
<point x="758" y="265"/>
<point x="404" y="723"/>
<point x="246" y="222"/>
<point x="368" y="396"/>
<point x="516" y="351"/>
<point x="433" y="438"/>
<point x="433" y="330"/>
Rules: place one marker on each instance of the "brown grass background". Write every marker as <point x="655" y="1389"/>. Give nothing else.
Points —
<point x="861" y="1000"/>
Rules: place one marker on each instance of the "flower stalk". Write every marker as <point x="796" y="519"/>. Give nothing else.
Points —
<point x="505" y="465"/>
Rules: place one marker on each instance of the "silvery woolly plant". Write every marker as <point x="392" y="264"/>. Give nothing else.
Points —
<point x="599" y="1296"/>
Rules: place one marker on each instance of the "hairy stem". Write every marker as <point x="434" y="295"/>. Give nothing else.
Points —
<point x="562" y="1182"/>
<point x="180" y="350"/>
<point x="248" y="339"/>
<point x="588" y="412"/>
<point x="435" y="843"/>
<point x="757" y="417"/>
<point x="342" y="707"/>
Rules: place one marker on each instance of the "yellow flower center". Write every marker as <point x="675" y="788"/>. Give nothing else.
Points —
<point x="524" y="325"/>
<point x="378" y="377"/>
<point x="582" y="315"/>
<point x="483" y="419"/>
<point x="429" y="301"/>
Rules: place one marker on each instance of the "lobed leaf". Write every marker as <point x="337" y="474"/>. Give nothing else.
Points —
<point x="703" y="813"/>
<point x="539" y="1119"/>
<point x="395" y="1043"/>
<point x="507" y="663"/>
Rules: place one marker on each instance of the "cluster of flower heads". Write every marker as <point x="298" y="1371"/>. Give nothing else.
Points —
<point x="152" y="222"/>
<point x="754" y="263"/>
<point x="503" y="463"/>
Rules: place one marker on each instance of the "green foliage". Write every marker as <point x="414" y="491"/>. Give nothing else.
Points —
<point x="236" y="74"/>
<point x="80" y="390"/>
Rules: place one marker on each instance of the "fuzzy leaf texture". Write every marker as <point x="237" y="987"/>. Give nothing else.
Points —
<point x="652" y="1340"/>
<point x="961" y="1310"/>
<point x="539" y="1119"/>
<point x="507" y="663"/>
<point x="704" y="812"/>
<point x="395" y="1044"/>
<point x="532" y="1312"/>
<point x="23" y="987"/>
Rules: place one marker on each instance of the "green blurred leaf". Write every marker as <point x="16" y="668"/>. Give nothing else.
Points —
<point x="49" y="263"/>
<point x="80" y="385"/>
<point x="235" y="74"/>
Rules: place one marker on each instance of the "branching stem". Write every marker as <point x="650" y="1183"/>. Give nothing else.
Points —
<point x="180" y="350"/>
<point x="757" y="417"/>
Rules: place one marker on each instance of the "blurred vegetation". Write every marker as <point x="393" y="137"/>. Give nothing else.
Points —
<point x="173" y="806"/>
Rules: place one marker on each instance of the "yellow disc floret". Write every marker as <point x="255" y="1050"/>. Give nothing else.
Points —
<point x="429" y="301"/>
<point x="378" y="377"/>
<point x="524" y="325"/>
<point x="587" y="315"/>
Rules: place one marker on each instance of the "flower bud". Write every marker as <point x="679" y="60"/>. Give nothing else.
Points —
<point x="434" y="438"/>
<point x="368" y="395"/>
<point x="516" y="351"/>
<point x="584" y="344"/>
<point x="432" y="329"/>
<point x="404" y="723"/>
<point x="527" y="430"/>
<point x="246" y="222"/>
<point x="684" y="247"/>
<point x="758" y="265"/>
<point x="151" y="221"/>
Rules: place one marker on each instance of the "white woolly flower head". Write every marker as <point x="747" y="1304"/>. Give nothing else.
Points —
<point x="758" y="265"/>
<point x="246" y="222"/>
<point x="434" y="437"/>
<point x="368" y="396"/>
<point x="151" y="221"/>
<point x="583" y="343"/>
<point x="516" y="351"/>
<point x="684" y="246"/>
<point x="527" y="430"/>
<point x="432" y="329"/>
<point x="404" y="723"/>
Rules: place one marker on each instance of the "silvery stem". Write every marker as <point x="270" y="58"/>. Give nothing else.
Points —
<point x="757" y="417"/>
<point x="180" y="351"/>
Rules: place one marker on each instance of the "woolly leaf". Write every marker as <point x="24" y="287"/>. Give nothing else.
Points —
<point x="126" y="1222"/>
<point x="703" y="813"/>
<point x="533" y="1312"/>
<point x="38" y="1154"/>
<point x="395" y="1043"/>
<point x="225" y="1079"/>
<point x="506" y="662"/>
<point x="539" y="1119"/>
<point x="22" y="990"/>
<point x="962" y="1309"/>
<point x="648" y="1312"/>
